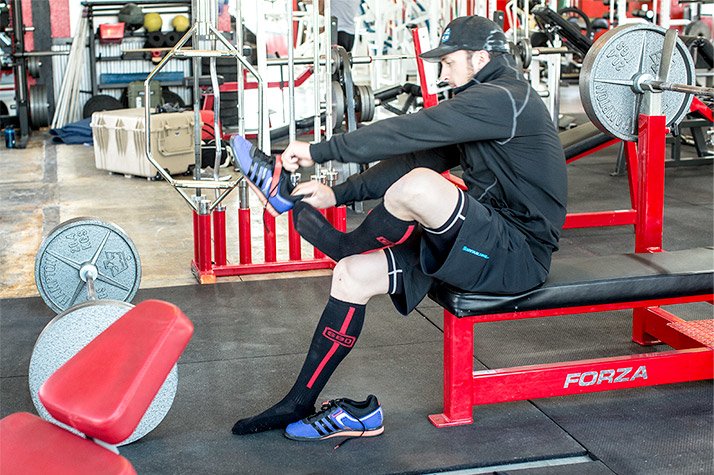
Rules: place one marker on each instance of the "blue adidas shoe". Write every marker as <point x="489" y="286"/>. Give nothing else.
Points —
<point x="340" y="418"/>
<point x="265" y="172"/>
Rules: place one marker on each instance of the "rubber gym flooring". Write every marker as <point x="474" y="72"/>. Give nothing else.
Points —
<point x="251" y="337"/>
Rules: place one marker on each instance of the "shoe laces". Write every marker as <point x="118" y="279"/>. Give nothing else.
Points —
<point x="328" y="406"/>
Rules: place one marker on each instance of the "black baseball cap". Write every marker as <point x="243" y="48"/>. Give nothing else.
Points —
<point x="471" y="33"/>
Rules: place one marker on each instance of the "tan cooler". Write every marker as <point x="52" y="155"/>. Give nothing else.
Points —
<point x="119" y="142"/>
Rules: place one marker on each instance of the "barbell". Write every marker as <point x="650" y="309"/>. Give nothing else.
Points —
<point x="633" y="69"/>
<point x="524" y="52"/>
<point x="87" y="271"/>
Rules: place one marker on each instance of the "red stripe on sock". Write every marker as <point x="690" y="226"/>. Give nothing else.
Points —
<point x="406" y="235"/>
<point x="403" y="238"/>
<point x="332" y="351"/>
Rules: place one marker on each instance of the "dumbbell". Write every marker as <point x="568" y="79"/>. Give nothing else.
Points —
<point x="87" y="271"/>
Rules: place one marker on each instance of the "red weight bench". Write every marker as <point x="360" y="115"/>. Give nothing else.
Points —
<point x="576" y="286"/>
<point x="103" y="392"/>
<point x="641" y="281"/>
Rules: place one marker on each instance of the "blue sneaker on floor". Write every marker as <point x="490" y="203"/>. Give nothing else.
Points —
<point x="265" y="172"/>
<point x="340" y="418"/>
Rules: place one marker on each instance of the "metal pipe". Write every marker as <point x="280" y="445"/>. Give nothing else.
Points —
<point x="217" y="133"/>
<point x="686" y="88"/>
<point x="30" y="54"/>
<point x="545" y="51"/>
<point x="263" y="125"/>
<point x="353" y="60"/>
<point x="327" y="14"/>
<point x="241" y="80"/>
<point x="316" y="68"/>
<point x="292" y="132"/>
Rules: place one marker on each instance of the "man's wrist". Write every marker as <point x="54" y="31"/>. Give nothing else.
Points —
<point x="317" y="152"/>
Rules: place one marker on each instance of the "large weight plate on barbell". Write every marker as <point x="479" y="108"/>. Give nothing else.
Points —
<point x="71" y="331"/>
<point x="611" y="65"/>
<point x="81" y="241"/>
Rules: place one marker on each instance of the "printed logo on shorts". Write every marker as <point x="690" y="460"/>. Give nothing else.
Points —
<point x="475" y="252"/>
<point x="339" y="338"/>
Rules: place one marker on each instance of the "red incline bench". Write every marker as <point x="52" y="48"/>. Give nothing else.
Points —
<point x="103" y="392"/>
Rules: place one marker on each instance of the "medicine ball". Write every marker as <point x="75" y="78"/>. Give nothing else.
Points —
<point x="180" y="23"/>
<point x="152" y="22"/>
<point x="132" y="16"/>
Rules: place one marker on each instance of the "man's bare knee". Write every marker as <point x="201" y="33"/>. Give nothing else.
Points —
<point x="358" y="278"/>
<point x="421" y="195"/>
<point x="409" y="191"/>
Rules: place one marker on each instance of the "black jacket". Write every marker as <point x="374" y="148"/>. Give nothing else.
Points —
<point x="498" y="130"/>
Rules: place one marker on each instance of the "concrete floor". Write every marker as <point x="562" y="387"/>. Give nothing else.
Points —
<point x="46" y="184"/>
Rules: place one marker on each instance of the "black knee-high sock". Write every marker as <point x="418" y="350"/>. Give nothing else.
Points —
<point x="379" y="229"/>
<point x="335" y="335"/>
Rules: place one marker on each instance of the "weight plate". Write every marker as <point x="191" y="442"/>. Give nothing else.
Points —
<point x="86" y="242"/>
<point x="101" y="102"/>
<point x="338" y="105"/>
<point x="698" y="28"/>
<point x="39" y="106"/>
<point x="33" y="66"/>
<point x="364" y="103"/>
<point x="71" y="331"/>
<point x="610" y="68"/>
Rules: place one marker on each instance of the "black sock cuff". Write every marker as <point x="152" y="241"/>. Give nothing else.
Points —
<point x="336" y="301"/>
<point x="382" y="210"/>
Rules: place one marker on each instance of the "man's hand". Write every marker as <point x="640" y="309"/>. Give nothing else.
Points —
<point x="316" y="194"/>
<point x="296" y="155"/>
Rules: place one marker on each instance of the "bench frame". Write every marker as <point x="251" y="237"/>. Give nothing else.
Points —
<point x="689" y="361"/>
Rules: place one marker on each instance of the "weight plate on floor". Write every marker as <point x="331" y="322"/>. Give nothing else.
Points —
<point x="39" y="106"/>
<point x="71" y="331"/>
<point x="610" y="68"/>
<point x="101" y="102"/>
<point x="86" y="242"/>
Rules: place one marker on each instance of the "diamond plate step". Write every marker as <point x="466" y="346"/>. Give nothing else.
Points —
<point x="700" y="330"/>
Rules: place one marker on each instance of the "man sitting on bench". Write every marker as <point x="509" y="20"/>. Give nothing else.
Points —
<point x="495" y="237"/>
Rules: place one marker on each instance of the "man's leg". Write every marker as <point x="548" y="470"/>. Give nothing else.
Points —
<point x="421" y="196"/>
<point x="424" y="196"/>
<point x="354" y="281"/>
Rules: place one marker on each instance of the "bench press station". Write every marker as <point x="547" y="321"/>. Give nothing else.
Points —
<point x="643" y="281"/>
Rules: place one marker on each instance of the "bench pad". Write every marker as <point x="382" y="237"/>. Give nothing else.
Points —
<point x="576" y="282"/>
<point x="582" y="138"/>
<point x="105" y="389"/>
<point x="31" y="445"/>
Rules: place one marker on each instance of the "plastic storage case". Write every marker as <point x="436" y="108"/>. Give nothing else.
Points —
<point x="119" y="142"/>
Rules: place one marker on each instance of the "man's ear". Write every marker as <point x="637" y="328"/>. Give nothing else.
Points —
<point x="480" y="59"/>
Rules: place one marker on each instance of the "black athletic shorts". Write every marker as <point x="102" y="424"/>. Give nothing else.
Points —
<point x="489" y="255"/>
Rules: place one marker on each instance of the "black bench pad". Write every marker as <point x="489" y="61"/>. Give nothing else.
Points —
<point x="576" y="282"/>
<point x="582" y="138"/>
